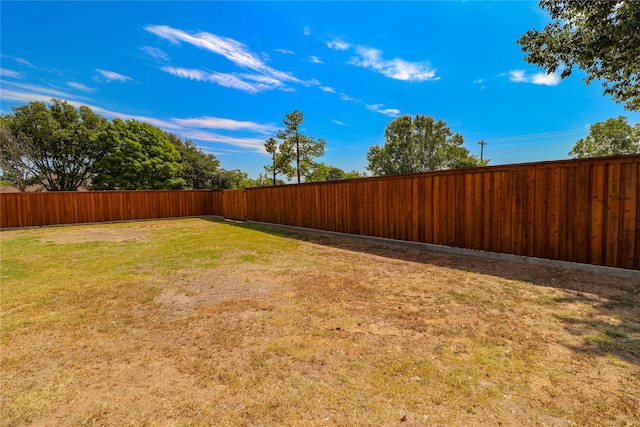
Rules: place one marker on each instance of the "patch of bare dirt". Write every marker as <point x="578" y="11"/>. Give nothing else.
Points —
<point x="97" y="233"/>
<point x="185" y="294"/>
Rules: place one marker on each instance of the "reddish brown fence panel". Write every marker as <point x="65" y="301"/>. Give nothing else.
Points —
<point x="48" y="208"/>
<point x="576" y="210"/>
<point x="235" y="204"/>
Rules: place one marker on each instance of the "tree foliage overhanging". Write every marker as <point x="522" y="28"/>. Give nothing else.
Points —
<point x="419" y="145"/>
<point x="601" y="37"/>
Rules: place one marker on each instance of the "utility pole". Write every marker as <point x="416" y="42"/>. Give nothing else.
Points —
<point x="482" y="144"/>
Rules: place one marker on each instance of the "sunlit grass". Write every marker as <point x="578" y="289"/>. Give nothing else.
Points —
<point x="201" y="322"/>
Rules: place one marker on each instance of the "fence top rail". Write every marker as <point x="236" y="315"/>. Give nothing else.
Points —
<point x="32" y="193"/>
<point x="551" y="164"/>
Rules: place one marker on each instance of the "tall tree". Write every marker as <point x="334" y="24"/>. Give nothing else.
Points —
<point x="609" y="138"/>
<point x="56" y="143"/>
<point x="300" y="148"/>
<point x="280" y="159"/>
<point x="15" y="153"/>
<point x="198" y="168"/>
<point x="136" y="156"/>
<point x="419" y="145"/>
<point x="600" y="37"/>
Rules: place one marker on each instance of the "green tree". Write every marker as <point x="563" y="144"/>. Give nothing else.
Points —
<point x="15" y="165"/>
<point x="419" y="145"/>
<point x="609" y="138"/>
<point x="300" y="148"/>
<point x="136" y="156"/>
<point x="600" y="37"/>
<point x="280" y="159"/>
<point x="198" y="168"/>
<point x="323" y="172"/>
<point x="55" y="144"/>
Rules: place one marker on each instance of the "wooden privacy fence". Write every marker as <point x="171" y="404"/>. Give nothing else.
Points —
<point x="577" y="210"/>
<point x="48" y="208"/>
<point x="574" y="210"/>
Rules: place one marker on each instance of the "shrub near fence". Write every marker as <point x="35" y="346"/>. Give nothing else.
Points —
<point x="577" y="210"/>
<point x="574" y="210"/>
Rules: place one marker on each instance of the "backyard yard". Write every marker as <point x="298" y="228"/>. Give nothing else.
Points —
<point x="199" y="321"/>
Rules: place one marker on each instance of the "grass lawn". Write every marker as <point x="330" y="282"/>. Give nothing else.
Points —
<point x="204" y="322"/>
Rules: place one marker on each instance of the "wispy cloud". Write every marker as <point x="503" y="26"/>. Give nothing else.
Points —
<point x="5" y="72"/>
<point x="519" y="76"/>
<point x="377" y="108"/>
<point x="250" y="83"/>
<point x="307" y="31"/>
<point x="226" y="124"/>
<point x="345" y="97"/>
<point x="112" y="76"/>
<point x="285" y="51"/>
<point x="256" y="144"/>
<point x="396" y="68"/>
<point x="80" y="86"/>
<point x="338" y="44"/>
<point x="327" y="89"/>
<point x="155" y="53"/>
<point x="236" y="52"/>
<point x="23" y="92"/>
<point x="339" y="122"/>
<point x="315" y="60"/>
<point x="23" y="61"/>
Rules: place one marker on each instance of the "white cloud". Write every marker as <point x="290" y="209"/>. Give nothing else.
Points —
<point x="307" y="31"/>
<point x="478" y="81"/>
<point x="312" y="82"/>
<point x="231" y="49"/>
<point x="4" y="72"/>
<point x="396" y="68"/>
<point x="19" y="96"/>
<point x="339" y="122"/>
<point x="327" y="89"/>
<point x="519" y="76"/>
<point x="377" y="108"/>
<point x="256" y="144"/>
<point x="552" y="79"/>
<point x="250" y="83"/>
<point x="345" y="97"/>
<point x="24" y="62"/>
<point x="338" y="44"/>
<point x="80" y="86"/>
<point x="155" y="53"/>
<point x="285" y="51"/>
<point x="27" y="92"/>
<point x="113" y="76"/>
<point x="315" y="60"/>
<point x="226" y="124"/>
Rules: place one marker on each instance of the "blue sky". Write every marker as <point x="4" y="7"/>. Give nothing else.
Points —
<point x="224" y="73"/>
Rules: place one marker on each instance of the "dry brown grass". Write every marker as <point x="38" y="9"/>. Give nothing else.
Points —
<point x="198" y="322"/>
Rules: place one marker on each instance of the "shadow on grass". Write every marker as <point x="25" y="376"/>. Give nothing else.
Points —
<point x="616" y="299"/>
